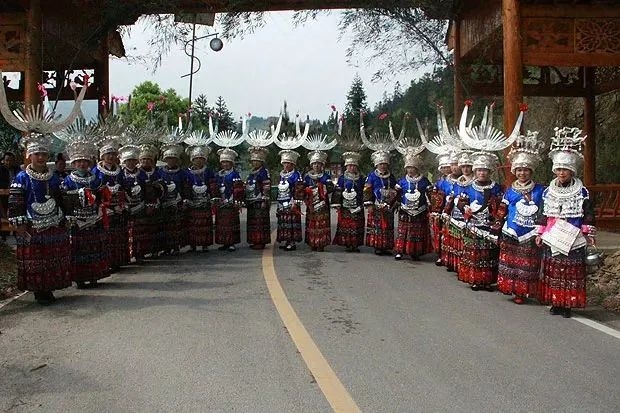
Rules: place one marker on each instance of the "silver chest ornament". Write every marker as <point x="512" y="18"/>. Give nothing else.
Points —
<point x="199" y="189"/>
<point x="135" y="190"/>
<point x="526" y="212"/>
<point x="250" y="189"/>
<point x="114" y="188"/>
<point x="413" y="198"/>
<point x="349" y="199"/>
<point x="44" y="208"/>
<point x="171" y="187"/>
<point x="283" y="190"/>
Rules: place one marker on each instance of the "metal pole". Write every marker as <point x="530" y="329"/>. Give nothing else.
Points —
<point x="191" y="71"/>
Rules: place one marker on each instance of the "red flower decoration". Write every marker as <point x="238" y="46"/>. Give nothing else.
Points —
<point x="333" y="108"/>
<point x="249" y="115"/>
<point x="492" y="104"/>
<point x="42" y="90"/>
<point x="150" y="106"/>
<point x="469" y="102"/>
<point x="104" y="102"/>
<point x="383" y="116"/>
<point x="86" y="79"/>
<point x="523" y="107"/>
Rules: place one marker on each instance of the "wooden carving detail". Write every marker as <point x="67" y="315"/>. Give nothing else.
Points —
<point x="543" y="35"/>
<point x="597" y="36"/>
<point x="12" y="46"/>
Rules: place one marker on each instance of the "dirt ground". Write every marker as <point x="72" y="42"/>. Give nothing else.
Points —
<point x="604" y="286"/>
<point x="8" y="270"/>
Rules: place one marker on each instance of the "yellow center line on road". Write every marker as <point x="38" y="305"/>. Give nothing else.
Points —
<point x="335" y="393"/>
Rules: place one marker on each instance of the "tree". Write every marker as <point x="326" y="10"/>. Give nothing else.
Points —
<point x="200" y="112"/>
<point x="356" y="101"/>
<point x="150" y="103"/>
<point x="225" y="118"/>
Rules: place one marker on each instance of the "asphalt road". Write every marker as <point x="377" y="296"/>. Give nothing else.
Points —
<point x="200" y="333"/>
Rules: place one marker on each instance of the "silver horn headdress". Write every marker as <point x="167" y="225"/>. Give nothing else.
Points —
<point x="36" y="119"/>
<point x="409" y="147"/>
<point x="198" y="145"/>
<point x="487" y="137"/>
<point x="380" y="144"/>
<point x="317" y="144"/>
<point x="80" y="138"/>
<point x="566" y="147"/>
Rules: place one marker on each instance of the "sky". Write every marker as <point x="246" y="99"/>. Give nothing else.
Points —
<point x="306" y="66"/>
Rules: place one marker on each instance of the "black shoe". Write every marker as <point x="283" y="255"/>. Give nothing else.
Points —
<point x="450" y="268"/>
<point x="80" y="285"/>
<point x="555" y="310"/>
<point x="290" y="248"/>
<point x="567" y="313"/>
<point x="93" y="284"/>
<point x="45" y="298"/>
<point x="398" y="257"/>
<point x="475" y="287"/>
<point x="283" y="247"/>
<point x="438" y="263"/>
<point x="231" y="248"/>
<point x="489" y="288"/>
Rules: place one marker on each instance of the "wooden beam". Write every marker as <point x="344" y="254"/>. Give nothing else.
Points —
<point x="513" y="66"/>
<point x="458" y="85"/>
<point x="34" y="71"/>
<point x="574" y="11"/>
<point x="102" y="79"/>
<point x="570" y="59"/>
<point x="589" y="118"/>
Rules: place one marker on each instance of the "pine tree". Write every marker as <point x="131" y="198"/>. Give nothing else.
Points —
<point x="356" y="101"/>
<point x="200" y="112"/>
<point x="225" y="118"/>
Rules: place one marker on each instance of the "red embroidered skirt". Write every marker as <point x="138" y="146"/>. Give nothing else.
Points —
<point x="564" y="279"/>
<point x="452" y="246"/>
<point x="350" y="228"/>
<point x="200" y="226"/>
<point x="227" y="225"/>
<point x="90" y="255"/>
<point x="380" y="229"/>
<point x="318" y="228"/>
<point x="118" y="240"/>
<point x="172" y="226"/>
<point x="519" y="267"/>
<point x="412" y="235"/>
<point x="478" y="264"/>
<point x="258" y="224"/>
<point x="289" y="226"/>
<point x="43" y="261"/>
<point x="435" y="228"/>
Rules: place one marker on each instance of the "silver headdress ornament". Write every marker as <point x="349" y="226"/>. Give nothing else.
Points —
<point x="227" y="154"/>
<point x="484" y="160"/>
<point x="259" y="140"/>
<point x="525" y="152"/>
<point x="486" y="137"/>
<point x="171" y="142"/>
<point x="409" y="148"/>
<point x="381" y="144"/>
<point x="129" y="151"/>
<point x="351" y="158"/>
<point x="446" y="144"/>
<point x="198" y="145"/>
<point x="228" y="139"/>
<point x="566" y="147"/>
<point x="317" y="144"/>
<point x="110" y="131"/>
<point x="80" y="138"/>
<point x="298" y="128"/>
<point x="149" y="139"/>
<point x="38" y="120"/>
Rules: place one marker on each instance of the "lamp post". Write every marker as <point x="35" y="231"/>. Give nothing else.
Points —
<point x="215" y="44"/>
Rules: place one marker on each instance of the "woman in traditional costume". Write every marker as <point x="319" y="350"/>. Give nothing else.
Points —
<point x="348" y="199"/>
<point x="176" y="181"/>
<point x="566" y="226"/>
<point x="478" y="264"/>
<point x="452" y="245"/>
<point x="257" y="199"/>
<point x="43" y="249"/>
<point x="290" y="188"/>
<point x="412" y="237"/>
<point x="154" y="190"/>
<point x="89" y="237"/>
<point x="133" y="180"/>
<point x="201" y="178"/>
<point x="318" y="187"/>
<point x="481" y="200"/>
<point x="380" y="198"/>
<point x="113" y="199"/>
<point x="228" y="201"/>
<point x="519" y="256"/>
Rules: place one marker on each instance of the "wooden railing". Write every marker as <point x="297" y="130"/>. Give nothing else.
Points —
<point x="606" y="205"/>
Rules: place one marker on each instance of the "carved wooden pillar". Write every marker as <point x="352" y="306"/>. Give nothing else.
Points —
<point x="458" y="86"/>
<point x="589" y="119"/>
<point x="34" y="70"/>
<point x="513" y="66"/>
<point x="102" y="78"/>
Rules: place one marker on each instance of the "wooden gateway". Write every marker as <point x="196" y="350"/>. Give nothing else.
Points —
<point x="494" y="42"/>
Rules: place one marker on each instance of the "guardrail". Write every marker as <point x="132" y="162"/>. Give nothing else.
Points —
<point x="606" y="205"/>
